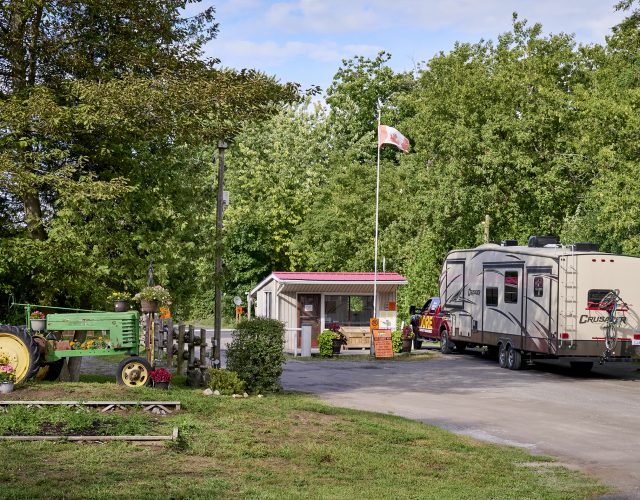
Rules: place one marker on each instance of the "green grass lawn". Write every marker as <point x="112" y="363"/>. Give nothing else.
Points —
<point x="283" y="446"/>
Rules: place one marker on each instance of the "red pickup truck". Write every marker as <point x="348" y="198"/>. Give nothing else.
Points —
<point x="430" y="324"/>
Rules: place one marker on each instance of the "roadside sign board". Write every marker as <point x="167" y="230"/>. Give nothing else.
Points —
<point x="382" y="342"/>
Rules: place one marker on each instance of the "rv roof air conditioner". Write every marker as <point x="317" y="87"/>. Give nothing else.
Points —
<point x="585" y="247"/>
<point x="509" y="243"/>
<point x="543" y="241"/>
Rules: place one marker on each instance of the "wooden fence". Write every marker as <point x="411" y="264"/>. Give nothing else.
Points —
<point x="175" y="345"/>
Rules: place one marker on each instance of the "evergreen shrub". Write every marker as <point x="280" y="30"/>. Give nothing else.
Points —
<point x="256" y="354"/>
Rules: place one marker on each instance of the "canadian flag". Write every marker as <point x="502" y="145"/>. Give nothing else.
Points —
<point x="389" y="135"/>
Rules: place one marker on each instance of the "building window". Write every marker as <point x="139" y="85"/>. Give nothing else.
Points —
<point x="348" y="310"/>
<point x="267" y="304"/>
<point x="511" y="287"/>
<point x="538" y="286"/>
<point x="491" y="296"/>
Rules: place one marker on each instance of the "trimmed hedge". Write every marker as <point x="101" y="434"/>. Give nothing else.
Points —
<point x="256" y="354"/>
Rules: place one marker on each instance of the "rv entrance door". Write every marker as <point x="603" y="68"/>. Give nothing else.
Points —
<point x="502" y="311"/>
<point x="539" y="325"/>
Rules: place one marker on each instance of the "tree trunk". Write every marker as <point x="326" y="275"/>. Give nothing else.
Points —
<point x="71" y="369"/>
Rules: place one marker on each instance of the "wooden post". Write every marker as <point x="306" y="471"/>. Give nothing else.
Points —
<point x="169" y="343"/>
<point x="180" y="348"/>
<point x="203" y="348"/>
<point x="487" y="224"/>
<point x="157" y="339"/>
<point x="192" y="350"/>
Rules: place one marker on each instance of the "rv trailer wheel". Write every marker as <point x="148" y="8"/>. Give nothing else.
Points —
<point x="502" y="355"/>
<point x="514" y="359"/>
<point x="445" y="345"/>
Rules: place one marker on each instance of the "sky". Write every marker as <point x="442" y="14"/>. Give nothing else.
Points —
<point x="305" y="41"/>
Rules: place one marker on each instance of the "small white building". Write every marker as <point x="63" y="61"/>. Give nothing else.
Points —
<point x="318" y="299"/>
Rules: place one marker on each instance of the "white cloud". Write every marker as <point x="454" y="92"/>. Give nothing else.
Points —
<point x="591" y="18"/>
<point x="272" y="54"/>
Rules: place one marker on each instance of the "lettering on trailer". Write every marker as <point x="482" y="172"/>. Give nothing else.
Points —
<point x="585" y="318"/>
<point x="471" y="292"/>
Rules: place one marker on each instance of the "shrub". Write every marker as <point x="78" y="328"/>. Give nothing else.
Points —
<point x="325" y="341"/>
<point x="256" y="353"/>
<point x="396" y="340"/>
<point x="225" y="381"/>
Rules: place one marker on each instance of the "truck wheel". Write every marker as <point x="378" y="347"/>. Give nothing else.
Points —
<point x="581" y="367"/>
<point x="503" y="349"/>
<point x="460" y="346"/>
<point x="445" y="344"/>
<point x="514" y="359"/>
<point x="417" y="344"/>
<point x="18" y="346"/>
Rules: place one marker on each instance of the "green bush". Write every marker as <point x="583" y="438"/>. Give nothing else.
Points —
<point x="396" y="341"/>
<point x="256" y="354"/>
<point x="325" y="343"/>
<point x="225" y="381"/>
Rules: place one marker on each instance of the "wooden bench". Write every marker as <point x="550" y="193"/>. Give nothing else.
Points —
<point x="358" y="337"/>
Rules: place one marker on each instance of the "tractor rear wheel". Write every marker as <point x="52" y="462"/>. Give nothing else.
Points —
<point x="133" y="372"/>
<point x="22" y="352"/>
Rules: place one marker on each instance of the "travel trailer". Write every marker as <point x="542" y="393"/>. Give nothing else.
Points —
<point x="543" y="300"/>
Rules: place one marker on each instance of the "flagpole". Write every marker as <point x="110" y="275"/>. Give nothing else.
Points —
<point x="375" y="252"/>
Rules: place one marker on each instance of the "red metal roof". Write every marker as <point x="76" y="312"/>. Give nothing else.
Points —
<point x="291" y="276"/>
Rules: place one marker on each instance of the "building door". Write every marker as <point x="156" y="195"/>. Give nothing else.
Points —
<point x="309" y="314"/>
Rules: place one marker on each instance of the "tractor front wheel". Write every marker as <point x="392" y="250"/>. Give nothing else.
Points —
<point x="22" y="352"/>
<point x="134" y="372"/>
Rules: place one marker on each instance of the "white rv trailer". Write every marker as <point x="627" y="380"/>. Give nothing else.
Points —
<point x="545" y="301"/>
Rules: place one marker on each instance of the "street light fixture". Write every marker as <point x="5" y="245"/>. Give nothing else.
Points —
<point x="222" y="145"/>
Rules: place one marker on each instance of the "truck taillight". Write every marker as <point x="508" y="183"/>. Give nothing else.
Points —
<point x="564" y="336"/>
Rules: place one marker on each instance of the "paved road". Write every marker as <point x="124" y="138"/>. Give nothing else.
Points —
<point x="589" y="422"/>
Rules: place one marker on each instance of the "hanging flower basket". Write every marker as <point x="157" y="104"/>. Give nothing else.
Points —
<point x="148" y="306"/>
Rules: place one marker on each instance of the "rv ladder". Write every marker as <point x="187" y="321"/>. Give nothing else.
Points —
<point x="569" y="299"/>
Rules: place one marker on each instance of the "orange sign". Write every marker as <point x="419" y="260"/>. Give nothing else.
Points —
<point x="382" y="343"/>
<point x="392" y="306"/>
<point x="374" y="323"/>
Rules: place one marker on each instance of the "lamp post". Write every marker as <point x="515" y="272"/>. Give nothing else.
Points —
<point x="222" y="145"/>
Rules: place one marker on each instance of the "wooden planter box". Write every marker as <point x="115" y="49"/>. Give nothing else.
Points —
<point x="358" y="337"/>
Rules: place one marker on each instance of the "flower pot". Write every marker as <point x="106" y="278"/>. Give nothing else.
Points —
<point x="148" y="306"/>
<point x="120" y="306"/>
<point x="37" y="325"/>
<point x="62" y="345"/>
<point x="6" y="387"/>
<point x="336" y="344"/>
<point x="161" y="385"/>
<point x="406" y="345"/>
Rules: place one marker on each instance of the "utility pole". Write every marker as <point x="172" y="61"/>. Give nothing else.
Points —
<point x="218" y="278"/>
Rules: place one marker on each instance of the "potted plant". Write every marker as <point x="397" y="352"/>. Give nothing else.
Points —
<point x="151" y="297"/>
<point x="120" y="301"/>
<point x="330" y="343"/>
<point x="407" y="336"/>
<point x="161" y="378"/>
<point x="7" y="375"/>
<point x="37" y="321"/>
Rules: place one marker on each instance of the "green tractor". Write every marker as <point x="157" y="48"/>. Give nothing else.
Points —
<point x="40" y="351"/>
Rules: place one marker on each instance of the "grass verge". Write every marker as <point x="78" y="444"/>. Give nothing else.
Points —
<point x="282" y="446"/>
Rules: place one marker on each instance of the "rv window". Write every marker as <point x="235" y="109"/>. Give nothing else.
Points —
<point x="538" y="286"/>
<point x="594" y="298"/>
<point x="511" y="287"/>
<point x="491" y="296"/>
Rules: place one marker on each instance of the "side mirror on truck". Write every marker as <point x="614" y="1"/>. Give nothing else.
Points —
<point x="412" y="310"/>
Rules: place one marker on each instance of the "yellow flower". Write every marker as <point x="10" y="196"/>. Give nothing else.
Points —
<point x="83" y="346"/>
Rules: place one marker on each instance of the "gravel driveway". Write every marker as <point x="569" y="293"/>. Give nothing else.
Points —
<point x="590" y="422"/>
